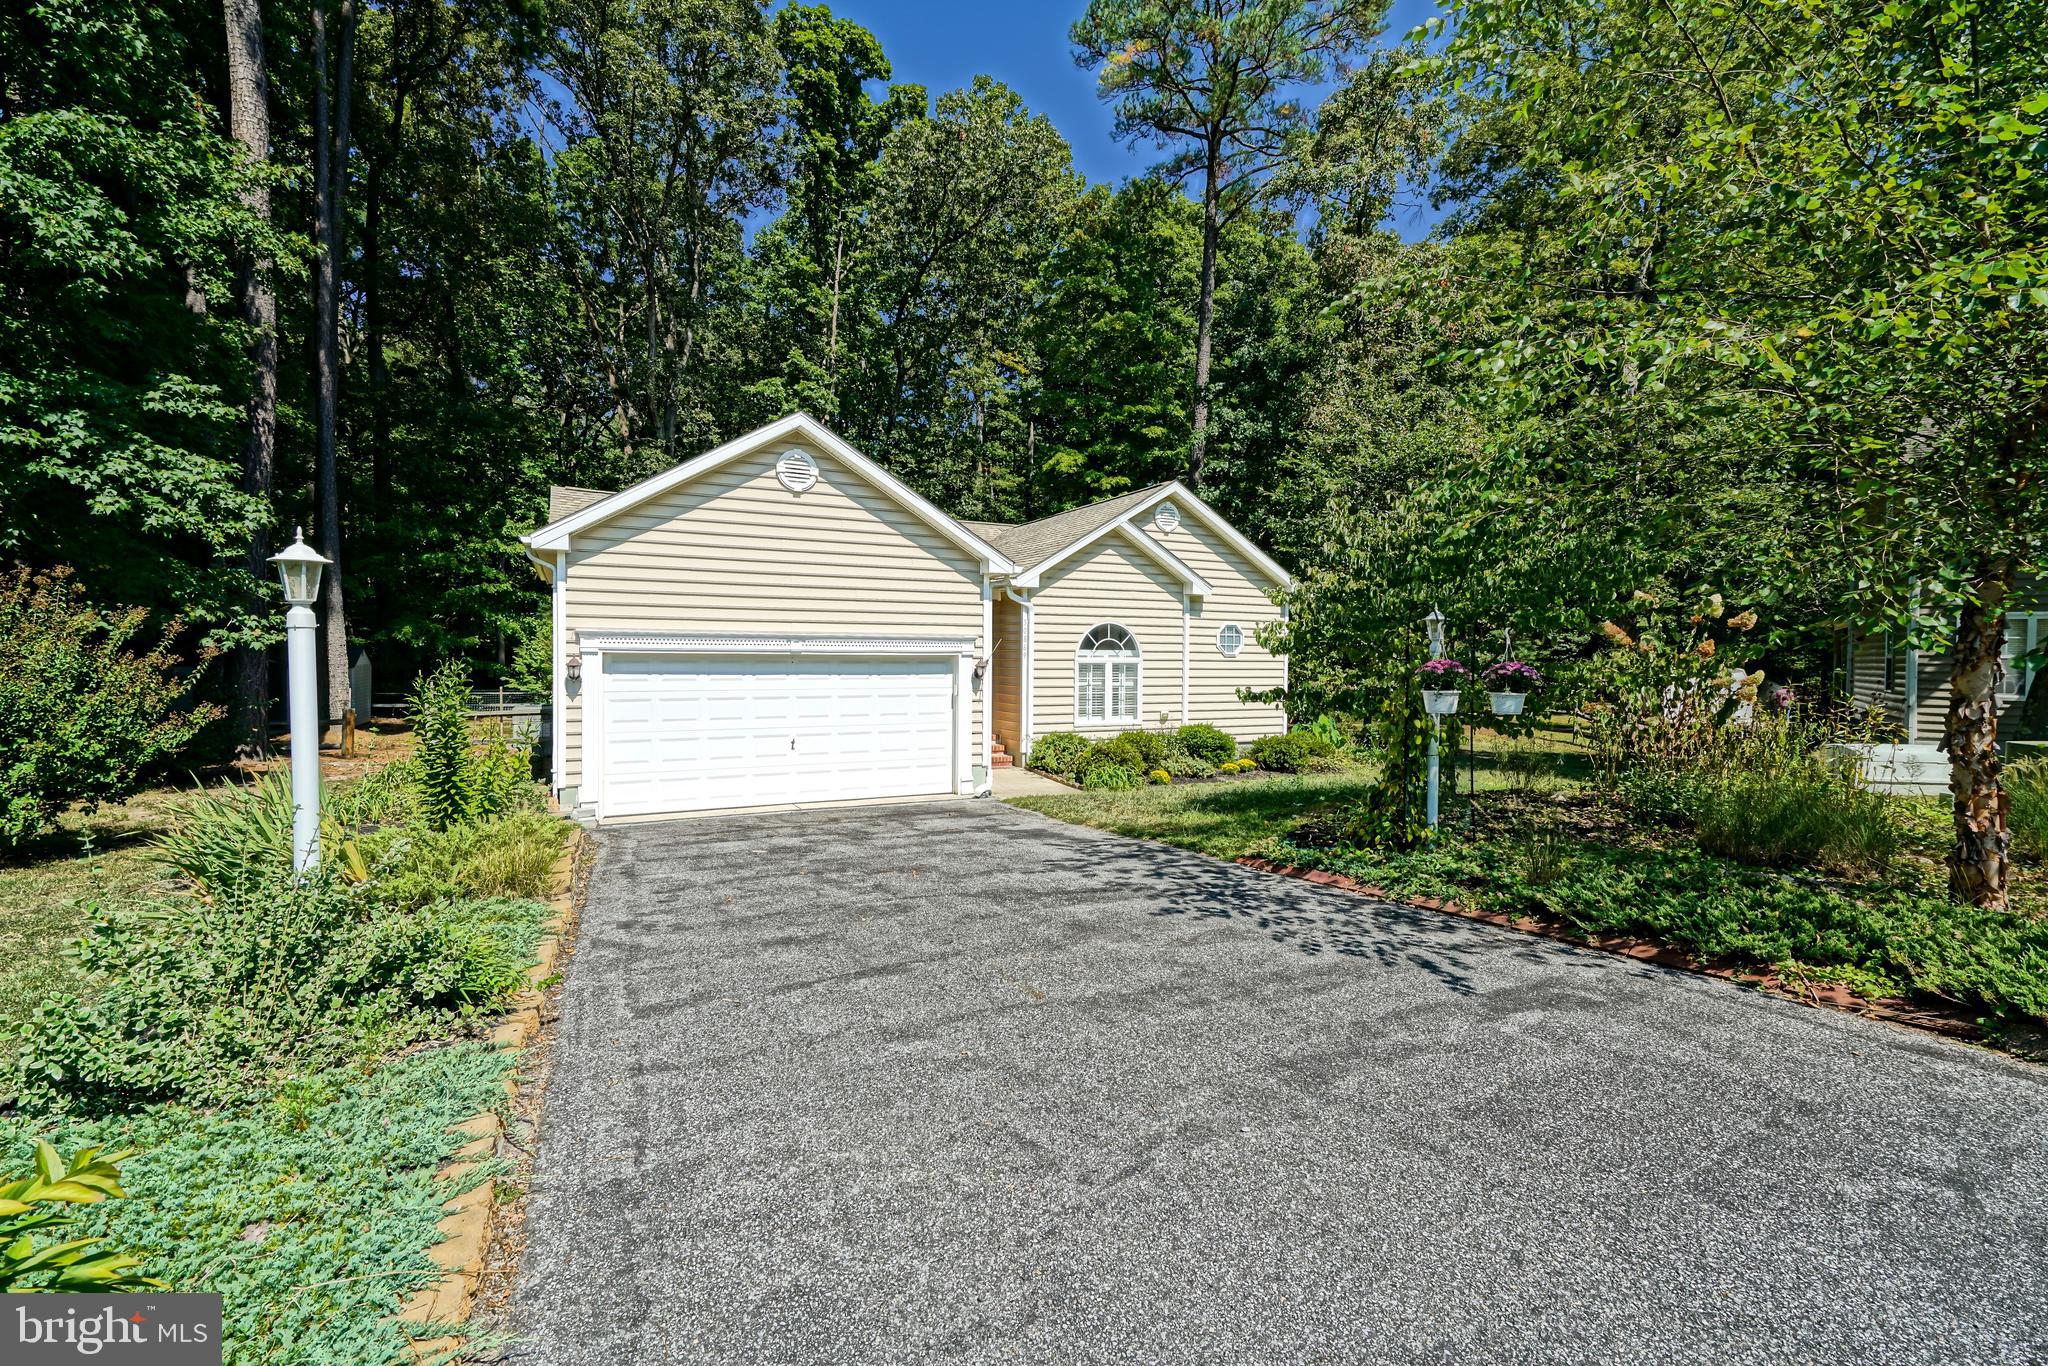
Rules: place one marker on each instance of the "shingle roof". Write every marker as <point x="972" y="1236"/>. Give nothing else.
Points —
<point x="564" y="499"/>
<point x="1027" y="543"/>
<point x="1033" y="541"/>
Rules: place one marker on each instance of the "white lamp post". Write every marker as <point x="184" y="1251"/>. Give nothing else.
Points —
<point x="1435" y="622"/>
<point x="298" y="568"/>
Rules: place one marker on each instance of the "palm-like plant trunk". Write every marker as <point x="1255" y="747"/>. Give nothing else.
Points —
<point x="1978" y="862"/>
<point x="249" y="122"/>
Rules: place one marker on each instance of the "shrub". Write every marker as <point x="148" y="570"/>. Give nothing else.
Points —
<point x="1112" y="777"/>
<point x="1289" y="753"/>
<point x="84" y="717"/>
<point x="202" y="998"/>
<point x="37" y="1205"/>
<point x="1059" y="751"/>
<point x="1159" y="777"/>
<point x="460" y="776"/>
<point x="1207" y="742"/>
<point x="440" y="731"/>
<point x="1183" y="763"/>
<point x="2026" y="783"/>
<point x="1149" y="746"/>
<point x="1119" y="751"/>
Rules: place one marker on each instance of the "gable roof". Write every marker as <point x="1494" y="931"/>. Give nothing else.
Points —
<point x="1030" y="542"/>
<point x="556" y="534"/>
<point x="1036" y="546"/>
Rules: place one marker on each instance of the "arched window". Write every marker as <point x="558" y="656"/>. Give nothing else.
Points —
<point x="1106" y="677"/>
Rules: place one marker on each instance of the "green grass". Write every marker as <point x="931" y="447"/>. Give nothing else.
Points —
<point x="1244" y="817"/>
<point x="311" y="1214"/>
<point x="1226" y="820"/>
<point x="47" y="896"/>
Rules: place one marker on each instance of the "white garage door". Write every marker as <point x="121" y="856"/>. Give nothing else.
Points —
<point x="693" y="733"/>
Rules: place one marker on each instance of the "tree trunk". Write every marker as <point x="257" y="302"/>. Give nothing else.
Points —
<point x="330" y="172"/>
<point x="1205" y="313"/>
<point x="1977" y="864"/>
<point x="249" y="121"/>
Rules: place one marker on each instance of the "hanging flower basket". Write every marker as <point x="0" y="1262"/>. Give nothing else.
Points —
<point x="1441" y="679"/>
<point x="1509" y="684"/>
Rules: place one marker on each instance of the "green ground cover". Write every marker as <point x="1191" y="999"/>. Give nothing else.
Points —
<point x="1535" y="841"/>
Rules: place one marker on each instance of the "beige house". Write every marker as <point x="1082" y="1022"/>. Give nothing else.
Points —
<point x="782" y="622"/>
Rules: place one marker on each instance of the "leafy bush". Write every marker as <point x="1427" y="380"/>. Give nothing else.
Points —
<point x="440" y="732"/>
<point x="1159" y="777"/>
<point x="1112" y="777"/>
<point x="1149" y="746"/>
<point x="84" y="717"/>
<point x="462" y="776"/>
<point x="37" y="1204"/>
<point x="1119" y="751"/>
<point x="2026" y="783"/>
<point x="205" y="997"/>
<point x="1182" y="762"/>
<point x="1292" y="752"/>
<point x="1059" y="751"/>
<point x="1325" y="728"/>
<point x="1207" y="742"/>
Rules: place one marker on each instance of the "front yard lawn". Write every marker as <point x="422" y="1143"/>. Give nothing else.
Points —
<point x="1224" y="820"/>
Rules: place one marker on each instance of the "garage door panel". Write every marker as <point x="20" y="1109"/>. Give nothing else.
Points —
<point x="694" y="733"/>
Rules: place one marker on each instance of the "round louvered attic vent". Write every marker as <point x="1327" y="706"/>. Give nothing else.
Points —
<point x="796" y="471"/>
<point x="1167" y="518"/>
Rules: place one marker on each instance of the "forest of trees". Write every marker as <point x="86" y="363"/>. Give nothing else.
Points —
<point x="1742" y="300"/>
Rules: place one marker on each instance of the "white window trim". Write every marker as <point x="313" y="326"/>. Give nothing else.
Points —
<point x="2024" y="632"/>
<point x="1136" y="659"/>
<point x="1229" y="652"/>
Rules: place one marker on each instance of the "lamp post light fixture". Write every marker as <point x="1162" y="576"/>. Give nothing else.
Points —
<point x="1437" y="646"/>
<point x="298" y="569"/>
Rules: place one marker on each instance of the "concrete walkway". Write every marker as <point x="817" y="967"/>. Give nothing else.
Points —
<point x="954" y="1081"/>
<point x="1022" y="782"/>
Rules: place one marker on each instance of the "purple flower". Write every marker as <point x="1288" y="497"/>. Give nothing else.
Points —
<point x="1780" y="698"/>
<point x="1512" y="675"/>
<point x="1443" y="674"/>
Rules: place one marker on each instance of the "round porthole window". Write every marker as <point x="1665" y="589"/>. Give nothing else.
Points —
<point x="796" y="471"/>
<point x="1167" y="518"/>
<point x="1230" y="640"/>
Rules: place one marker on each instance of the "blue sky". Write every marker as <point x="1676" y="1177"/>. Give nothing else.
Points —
<point x="1023" y="43"/>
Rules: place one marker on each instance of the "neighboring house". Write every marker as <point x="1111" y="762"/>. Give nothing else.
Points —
<point x="780" y="621"/>
<point x="1911" y="686"/>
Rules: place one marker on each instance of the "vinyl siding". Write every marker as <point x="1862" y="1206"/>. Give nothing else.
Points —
<point x="1008" y="675"/>
<point x="1867" y="675"/>
<point x="1110" y="581"/>
<point x="733" y="551"/>
<point x="1237" y="593"/>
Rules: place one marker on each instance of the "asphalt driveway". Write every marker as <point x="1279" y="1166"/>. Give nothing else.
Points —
<point x="956" y="1081"/>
